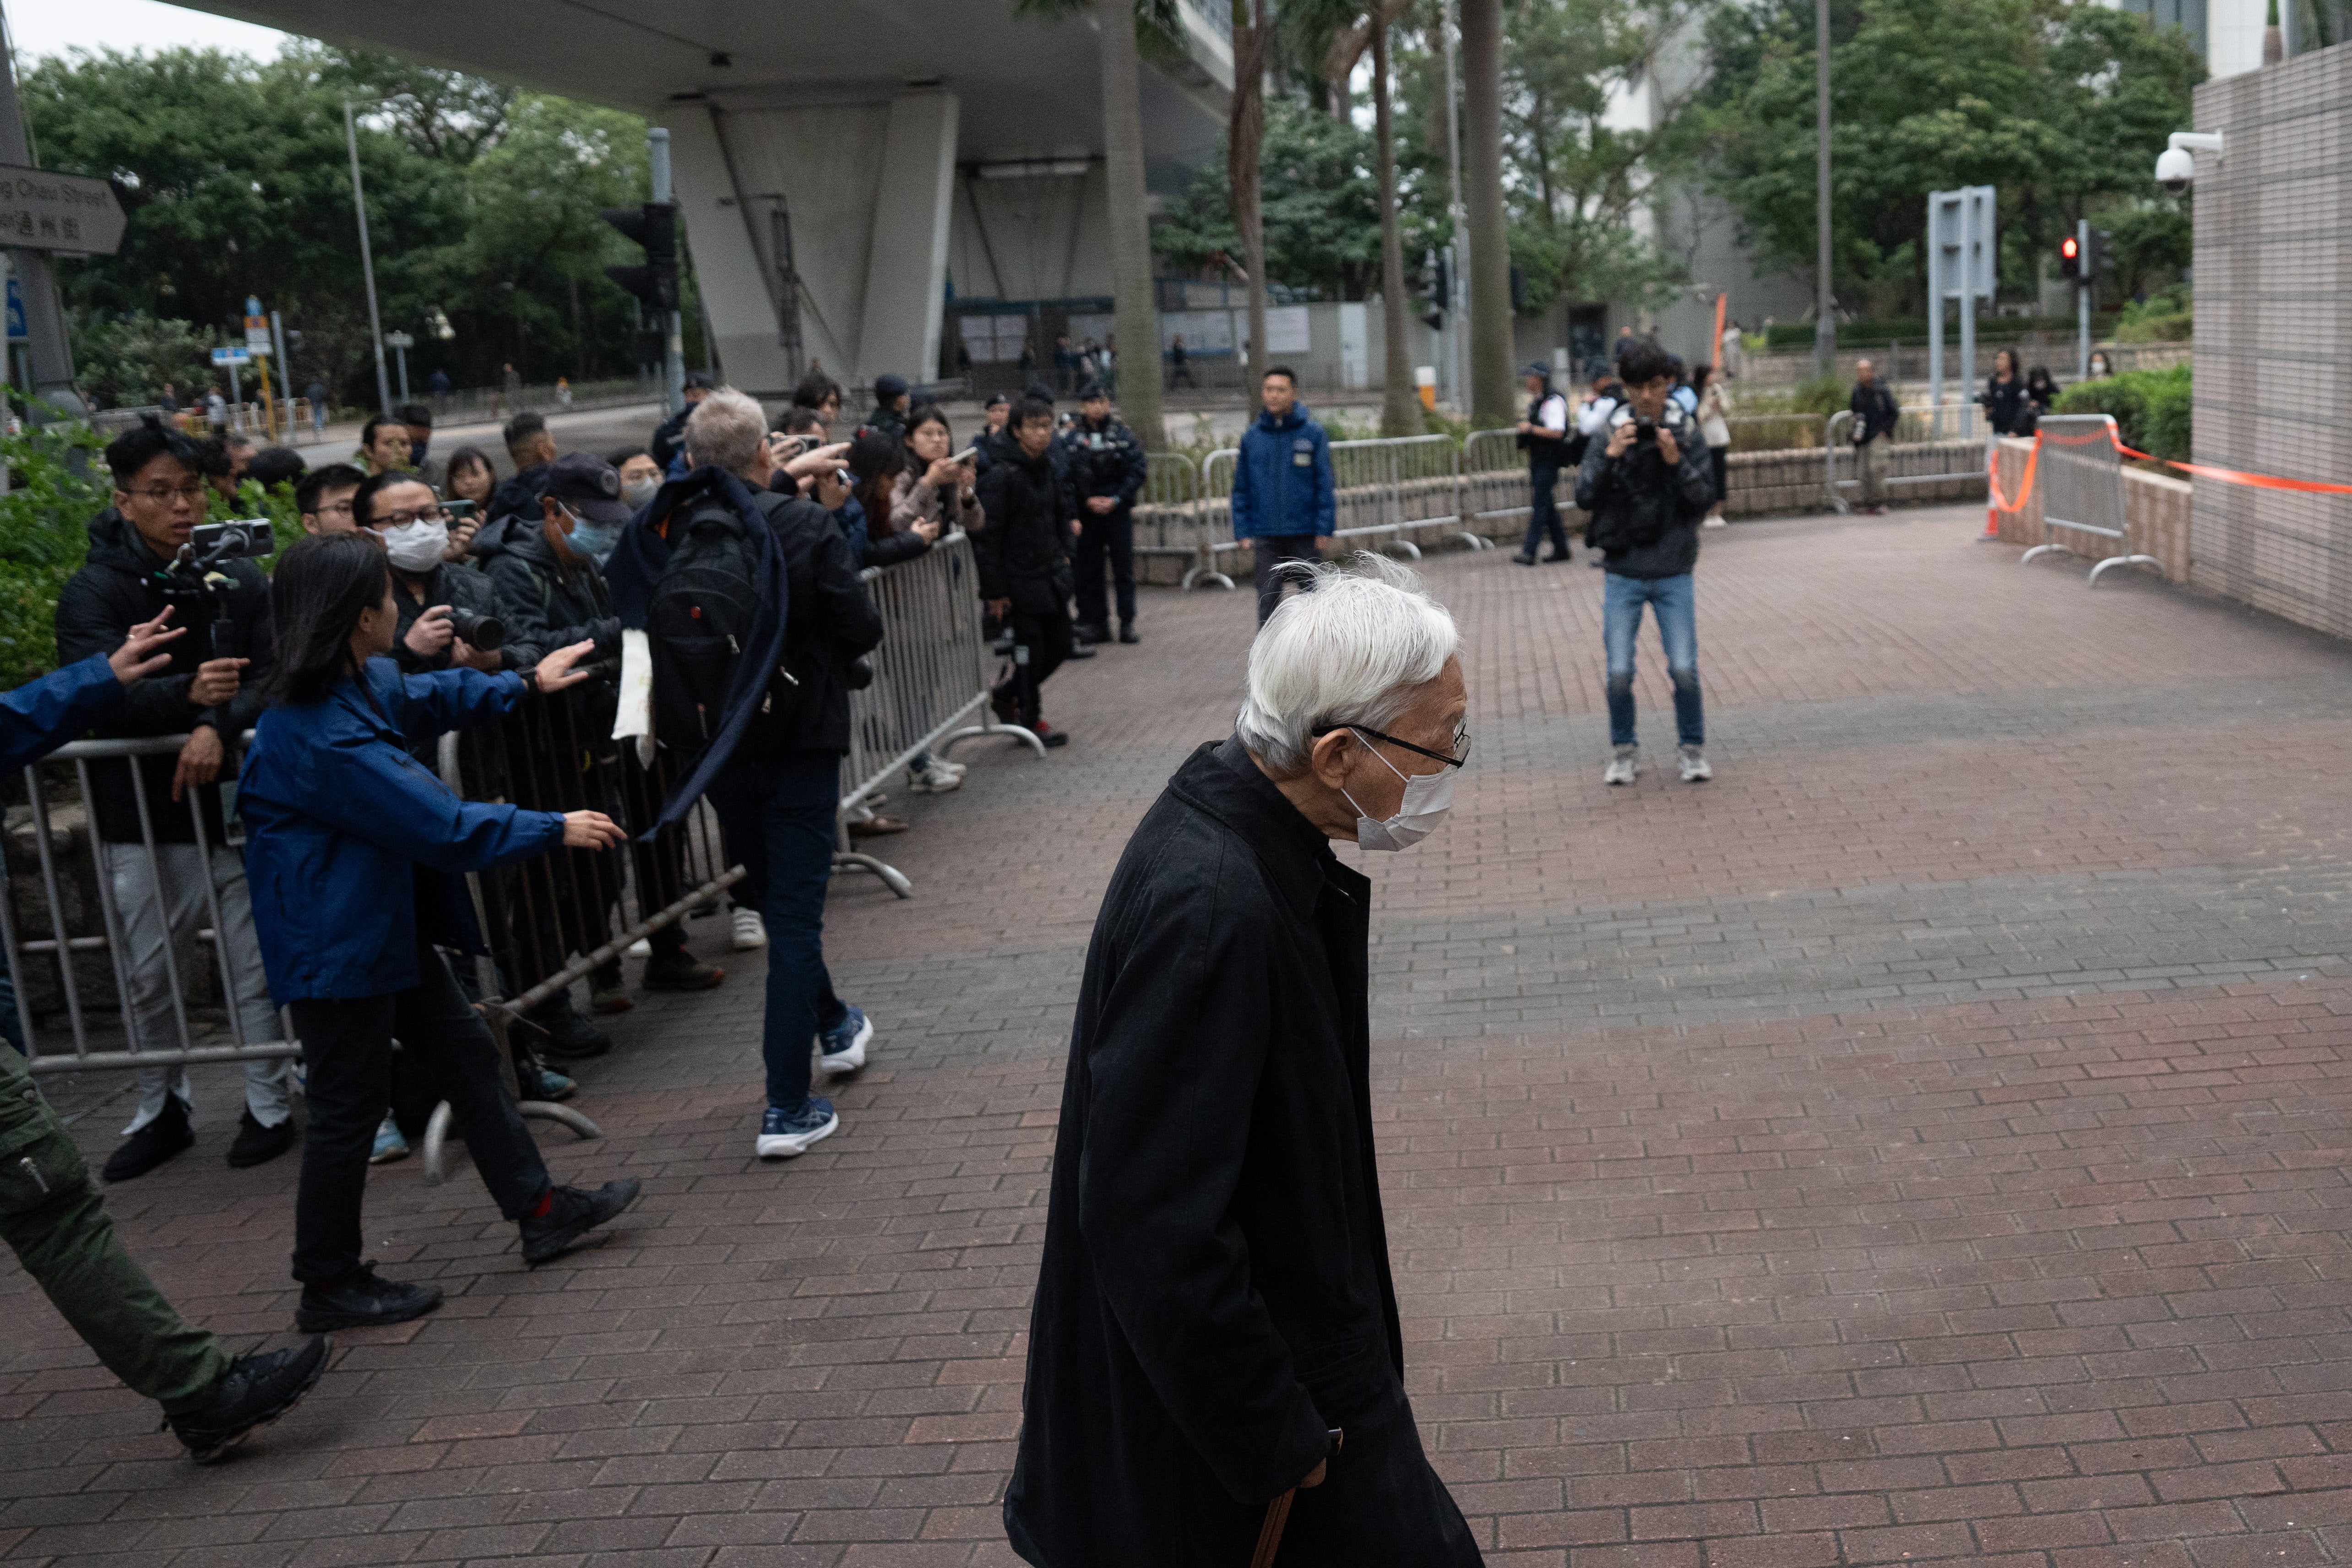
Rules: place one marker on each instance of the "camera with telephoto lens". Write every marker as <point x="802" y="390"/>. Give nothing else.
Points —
<point x="486" y="633"/>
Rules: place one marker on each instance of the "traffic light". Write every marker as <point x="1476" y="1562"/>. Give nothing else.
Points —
<point x="1441" y="290"/>
<point x="2070" y="257"/>
<point x="655" y="227"/>
<point x="2092" y="252"/>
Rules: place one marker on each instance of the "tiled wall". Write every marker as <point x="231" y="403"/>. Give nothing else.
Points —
<point x="2273" y="336"/>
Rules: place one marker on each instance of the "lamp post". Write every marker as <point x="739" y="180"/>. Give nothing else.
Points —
<point x="367" y="263"/>
<point x="1824" y="312"/>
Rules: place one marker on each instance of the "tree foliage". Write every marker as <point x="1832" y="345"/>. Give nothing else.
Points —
<point x="2055" y="103"/>
<point x="481" y="206"/>
<point x="1319" y="199"/>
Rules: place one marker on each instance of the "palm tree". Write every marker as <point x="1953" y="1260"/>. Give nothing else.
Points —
<point x="1491" y="399"/>
<point x="1137" y="310"/>
<point x="1244" y="136"/>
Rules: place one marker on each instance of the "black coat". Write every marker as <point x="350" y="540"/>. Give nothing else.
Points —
<point x="1214" y="1292"/>
<point x="1108" y="461"/>
<point x="2005" y="404"/>
<point x="1645" y="516"/>
<point x="1875" y="414"/>
<point x="1024" y="554"/>
<point x="460" y="587"/>
<point x="521" y="495"/>
<point x="546" y="603"/>
<point x="829" y="622"/>
<point x="116" y="587"/>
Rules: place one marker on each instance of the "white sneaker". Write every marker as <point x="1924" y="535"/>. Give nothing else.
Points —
<point x="784" y="1134"/>
<point x="1621" y="766"/>
<point x="1694" y="767"/>
<point x="750" y="931"/>
<point x="842" y="1049"/>
<point x="640" y="949"/>
<point x="937" y="780"/>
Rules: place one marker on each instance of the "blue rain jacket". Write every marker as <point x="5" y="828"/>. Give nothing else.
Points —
<point x="38" y="717"/>
<point x="355" y="848"/>
<point x="1282" y="484"/>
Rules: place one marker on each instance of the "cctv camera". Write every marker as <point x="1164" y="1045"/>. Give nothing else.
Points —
<point x="2175" y="169"/>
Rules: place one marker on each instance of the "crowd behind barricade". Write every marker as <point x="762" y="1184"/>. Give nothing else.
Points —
<point x="646" y="658"/>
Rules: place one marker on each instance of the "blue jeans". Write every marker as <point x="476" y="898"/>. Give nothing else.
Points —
<point x="1672" y="601"/>
<point x="778" y="815"/>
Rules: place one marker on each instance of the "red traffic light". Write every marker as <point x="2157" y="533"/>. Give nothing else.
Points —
<point x="2070" y="257"/>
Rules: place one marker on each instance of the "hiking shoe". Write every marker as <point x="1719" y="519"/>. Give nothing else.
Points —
<point x="638" y="950"/>
<point x="1694" y="767"/>
<point x="1126" y="633"/>
<point x="783" y="1133"/>
<point x="152" y="1144"/>
<point x="676" y="969"/>
<point x="546" y="1083"/>
<point x="1048" y="734"/>
<point x="608" y="989"/>
<point x="937" y="778"/>
<point x="389" y="1145"/>
<point x="571" y="1213"/>
<point x="565" y="1035"/>
<point x="1621" y="766"/>
<point x="842" y="1048"/>
<point x="254" y="1391"/>
<point x="257" y="1144"/>
<point x="750" y="931"/>
<point x="363" y="1298"/>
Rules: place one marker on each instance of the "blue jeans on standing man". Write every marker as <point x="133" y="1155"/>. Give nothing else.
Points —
<point x="778" y="815"/>
<point x="1671" y="600"/>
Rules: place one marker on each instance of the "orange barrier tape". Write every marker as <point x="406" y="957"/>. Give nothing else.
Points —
<point x="2238" y="476"/>
<point x="2025" y="491"/>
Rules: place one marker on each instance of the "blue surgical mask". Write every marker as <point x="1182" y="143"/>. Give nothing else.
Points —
<point x="594" y="540"/>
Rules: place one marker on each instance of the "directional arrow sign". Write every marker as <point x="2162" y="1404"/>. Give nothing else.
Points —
<point x="42" y="211"/>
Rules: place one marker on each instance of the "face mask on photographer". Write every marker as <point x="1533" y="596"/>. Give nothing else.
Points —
<point x="416" y="545"/>
<point x="593" y="540"/>
<point x="638" y="492"/>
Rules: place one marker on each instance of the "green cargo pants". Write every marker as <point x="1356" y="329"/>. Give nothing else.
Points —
<point x="50" y="1213"/>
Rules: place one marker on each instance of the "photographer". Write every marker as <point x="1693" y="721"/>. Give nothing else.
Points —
<point x="1647" y="489"/>
<point x="438" y="602"/>
<point x="1875" y="419"/>
<point x="1107" y="470"/>
<point x="134" y="571"/>
<point x="359" y="855"/>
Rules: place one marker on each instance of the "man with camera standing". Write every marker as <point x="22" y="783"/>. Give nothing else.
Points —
<point x="1107" y="468"/>
<point x="1646" y="488"/>
<point x="133" y="571"/>
<point x="1875" y="417"/>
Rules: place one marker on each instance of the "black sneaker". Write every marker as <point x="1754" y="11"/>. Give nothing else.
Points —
<point x="1091" y="632"/>
<point x="1524" y="558"/>
<point x="1126" y="633"/>
<point x="565" y="1035"/>
<point x="572" y="1215"/>
<point x="1048" y="736"/>
<point x="363" y="1298"/>
<point x="1081" y="646"/>
<point x="152" y="1144"/>
<point x="676" y="969"/>
<point x="255" y="1391"/>
<point x="257" y="1144"/>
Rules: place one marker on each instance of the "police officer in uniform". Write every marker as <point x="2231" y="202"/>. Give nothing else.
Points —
<point x="1107" y="469"/>
<point x="1543" y="436"/>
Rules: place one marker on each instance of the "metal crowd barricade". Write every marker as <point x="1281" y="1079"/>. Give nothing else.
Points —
<point x="932" y="676"/>
<point x="2081" y="479"/>
<point x="56" y="928"/>
<point x="1397" y="485"/>
<point x="1918" y="429"/>
<point x="1495" y="483"/>
<point x="1171" y="504"/>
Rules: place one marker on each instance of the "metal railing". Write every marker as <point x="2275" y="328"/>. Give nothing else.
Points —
<point x="1384" y="489"/>
<point x="58" y="926"/>
<point x="1918" y="451"/>
<point x="2080" y="475"/>
<point x="932" y="679"/>
<point x="1495" y="478"/>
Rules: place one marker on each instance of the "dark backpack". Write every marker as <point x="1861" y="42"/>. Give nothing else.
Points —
<point x="698" y="621"/>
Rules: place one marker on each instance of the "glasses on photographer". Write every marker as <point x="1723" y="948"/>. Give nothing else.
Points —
<point x="167" y="494"/>
<point x="403" y="517"/>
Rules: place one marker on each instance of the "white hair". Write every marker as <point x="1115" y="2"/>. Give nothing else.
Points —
<point x="1350" y="652"/>
<point x="725" y="430"/>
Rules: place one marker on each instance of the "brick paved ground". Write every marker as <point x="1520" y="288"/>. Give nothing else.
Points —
<point x="1924" y="1141"/>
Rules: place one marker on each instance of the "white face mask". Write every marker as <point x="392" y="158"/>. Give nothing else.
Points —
<point x="417" y="546"/>
<point x="1428" y="801"/>
<point x="638" y="492"/>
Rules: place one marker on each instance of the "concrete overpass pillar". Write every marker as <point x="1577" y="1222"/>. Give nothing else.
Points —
<point x="907" y="270"/>
<point x="734" y="274"/>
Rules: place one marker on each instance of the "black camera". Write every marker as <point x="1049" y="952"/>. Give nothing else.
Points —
<point x="1645" y="430"/>
<point x="486" y="633"/>
<point x="246" y="537"/>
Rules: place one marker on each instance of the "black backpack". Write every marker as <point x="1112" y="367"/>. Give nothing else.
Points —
<point x="698" y="621"/>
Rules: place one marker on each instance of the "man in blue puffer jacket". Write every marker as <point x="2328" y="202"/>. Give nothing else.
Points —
<point x="1283" y="495"/>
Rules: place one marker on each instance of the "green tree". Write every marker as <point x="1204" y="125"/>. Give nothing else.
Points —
<point x="125" y="360"/>
<point x="1319" y="198"/>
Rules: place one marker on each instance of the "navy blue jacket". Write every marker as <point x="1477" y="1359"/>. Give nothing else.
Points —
<point x="1282" y="485"/>
<point x="355" y="848"/>
<point x="41" y="715"/>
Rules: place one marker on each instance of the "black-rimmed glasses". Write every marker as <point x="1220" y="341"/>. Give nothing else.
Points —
<point x="1461" y="742"/>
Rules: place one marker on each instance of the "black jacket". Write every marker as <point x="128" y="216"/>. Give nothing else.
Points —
<point x="1645" y="516"/>
<point x="521" y="495"/>
<point x="547" y="604"/>
<point x="663" y="445"/>
<point x="1024" y="554"/>
<point x="2005" y="404"/>
<point x="1216" y="1290"/>
<point x="1875" y="414"/>
<point x="829" y="622"/>
<point x="123" y="582"/>
<point x="1105" y="462"/>
<point x="460" y="587"/>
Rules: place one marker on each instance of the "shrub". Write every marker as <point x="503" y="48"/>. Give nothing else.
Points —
<point x="2166" y="317"/>
<point x="2151" y="408"/>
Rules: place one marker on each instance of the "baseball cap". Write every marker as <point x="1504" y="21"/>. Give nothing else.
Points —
<point x="700" y="379"/>
<point x="588" y="485"/>
<point x="888" y="386"/>
<point x="1537" y="368"/>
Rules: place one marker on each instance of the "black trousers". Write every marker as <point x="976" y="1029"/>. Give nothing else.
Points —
<point x="1041" y="641"/>
<point x="1272" y="552"/>
<point x="348" y="1045"/>
<point x="1543" y="517"/>
<point x="1112" y="536"/>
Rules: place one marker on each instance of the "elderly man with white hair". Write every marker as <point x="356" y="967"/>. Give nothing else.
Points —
<point x="1214" y="1356"/>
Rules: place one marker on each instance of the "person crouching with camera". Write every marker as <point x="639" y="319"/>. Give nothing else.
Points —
<point x="1648" y="487"/>
<point x="356" y="854"/>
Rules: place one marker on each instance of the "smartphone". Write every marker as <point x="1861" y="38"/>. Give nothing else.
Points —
<point x="966" y="455"/>
<point x="459" y="511"/>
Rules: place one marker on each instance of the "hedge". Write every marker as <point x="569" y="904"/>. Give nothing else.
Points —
<point x="2151" y="408"/>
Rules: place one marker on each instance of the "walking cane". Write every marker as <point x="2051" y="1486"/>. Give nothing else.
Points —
<point x="1277" y="1513"/>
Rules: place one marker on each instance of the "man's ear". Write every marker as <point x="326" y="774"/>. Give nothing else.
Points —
<point x="1330" y="759"/>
